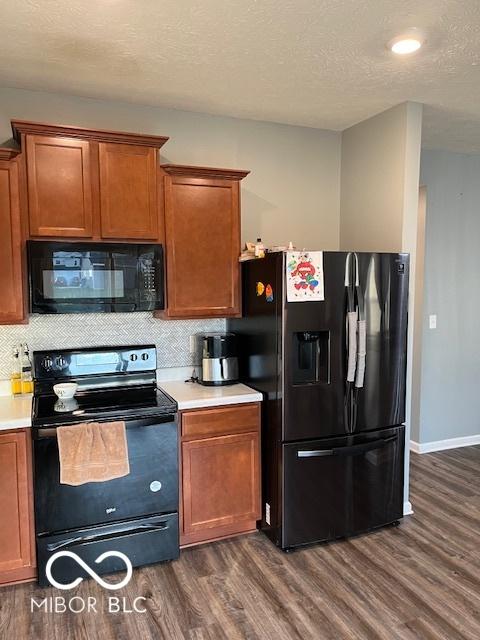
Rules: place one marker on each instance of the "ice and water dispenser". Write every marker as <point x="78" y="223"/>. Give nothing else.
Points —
<point x="310" y="357"/>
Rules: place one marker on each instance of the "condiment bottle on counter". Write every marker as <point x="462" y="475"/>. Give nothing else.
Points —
<point x="27" y="380"/>
<point x="259" y="249"/>
<point x="16" y="375"/>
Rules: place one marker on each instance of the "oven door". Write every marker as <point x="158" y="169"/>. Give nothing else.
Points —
<point x="151" y="487"/>
<point x="94" y="277"/>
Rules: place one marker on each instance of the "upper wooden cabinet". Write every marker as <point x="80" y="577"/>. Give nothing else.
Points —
<point x="202" y="223"/>
<point x="128" y="212"/>
<point x="59" y="187"/>
<point x="12" y="310"/>
<point x="87" y="183"/>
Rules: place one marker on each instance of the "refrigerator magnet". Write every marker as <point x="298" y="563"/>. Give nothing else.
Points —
<point x="260" y="288"/>
<point x="269" y="293"/>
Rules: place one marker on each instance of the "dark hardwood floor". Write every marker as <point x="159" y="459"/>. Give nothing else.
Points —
<point x="418" y="580"/>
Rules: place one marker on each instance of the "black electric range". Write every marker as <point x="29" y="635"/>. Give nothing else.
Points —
<point x="102" y="405"/>
<point x="137" y="514"/>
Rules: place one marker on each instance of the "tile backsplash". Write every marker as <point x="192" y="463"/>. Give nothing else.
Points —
<point x="171" y="337"/>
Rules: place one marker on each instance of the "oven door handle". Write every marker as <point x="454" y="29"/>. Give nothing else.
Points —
<point x="40" y="433"/>
<point x="45" y="433"/>
<point x="126" y="531"/>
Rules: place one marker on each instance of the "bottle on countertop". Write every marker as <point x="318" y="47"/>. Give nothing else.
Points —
<point x="16" y="375"/>
<point x="259" y="249"/>
<point x="26" y="378"/>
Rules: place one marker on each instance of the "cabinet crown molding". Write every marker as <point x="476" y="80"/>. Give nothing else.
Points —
<point x="204" y="172"/>
<point x="20" y="127"/>
<point x="8" y="153"/>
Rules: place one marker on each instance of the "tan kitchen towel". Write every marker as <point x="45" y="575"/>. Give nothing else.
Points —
<point x="92" y="452"/>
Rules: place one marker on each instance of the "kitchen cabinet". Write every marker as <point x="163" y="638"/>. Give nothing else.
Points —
<point x="220" y="472"/>
<point x="59" y="182"/>
<point x="12" y="310"/>
<point x="17" y="555"/>
<point x="202" y="227"/>
<point x="128" y="212"/>
<point x="91" y="184"/>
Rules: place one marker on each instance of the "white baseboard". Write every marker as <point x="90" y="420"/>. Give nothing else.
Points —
<point x="441" y="445"/>
<point x="407" y="508"/>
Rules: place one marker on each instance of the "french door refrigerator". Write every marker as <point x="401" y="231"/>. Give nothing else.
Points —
<point x="333" y="377"/>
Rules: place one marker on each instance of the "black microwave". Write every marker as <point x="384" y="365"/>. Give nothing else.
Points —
<point x="91" y="277"/>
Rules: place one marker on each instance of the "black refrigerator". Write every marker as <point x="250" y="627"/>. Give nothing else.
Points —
<point x="332" y="373"/>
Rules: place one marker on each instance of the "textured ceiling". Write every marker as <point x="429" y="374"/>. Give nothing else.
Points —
<point x="320" y="63"/>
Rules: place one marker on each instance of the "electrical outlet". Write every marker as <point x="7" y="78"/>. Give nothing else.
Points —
<point x="432" y="321"/>
<point x="192" y="344"/>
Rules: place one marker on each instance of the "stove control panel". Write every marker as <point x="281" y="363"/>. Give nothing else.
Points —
<point x="72" y="363"/>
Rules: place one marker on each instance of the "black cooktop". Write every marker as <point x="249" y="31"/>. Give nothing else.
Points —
<point x="102" y="405"/>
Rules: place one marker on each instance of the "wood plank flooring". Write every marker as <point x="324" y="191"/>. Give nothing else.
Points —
<point x="418" y="580"/>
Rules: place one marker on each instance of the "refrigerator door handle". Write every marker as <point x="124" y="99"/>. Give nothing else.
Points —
<point x="352" y="345"/>
<point x="362" y="330"/>
<point x="342" y="451"/>
<point x="362" y="448"/>
<point x="315" y="453"/>
<point x="361" y="354"/>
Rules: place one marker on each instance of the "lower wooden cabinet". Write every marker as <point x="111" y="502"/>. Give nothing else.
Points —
<point x="17" y="548"/>
<point x="220" y="474"/>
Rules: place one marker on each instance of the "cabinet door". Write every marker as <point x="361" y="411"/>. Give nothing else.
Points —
<point x="220" y="482"/>
<point x="11" y="282"/>
<point x="16" y="523"/>
<point x="59" y="187"/>
<point x="128" y="192"/>
<point x="202" y="218"/>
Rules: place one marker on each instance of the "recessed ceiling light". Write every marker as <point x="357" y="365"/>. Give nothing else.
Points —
<point x="403" y="45"/>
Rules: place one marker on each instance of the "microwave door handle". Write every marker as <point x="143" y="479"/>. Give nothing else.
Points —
<point x="159" y="276"/>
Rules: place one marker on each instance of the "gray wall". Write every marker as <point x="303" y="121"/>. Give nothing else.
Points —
<point x="450" y="397"/>
<point x="292" y="192"/>
<point x="371" y="197"/>
<point x="379" y="206"/>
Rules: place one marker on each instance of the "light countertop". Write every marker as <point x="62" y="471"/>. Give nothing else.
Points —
<point x="15" y="412"/>
<point x="191" y="395"/>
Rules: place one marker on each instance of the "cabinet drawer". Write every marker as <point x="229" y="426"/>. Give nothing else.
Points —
<point x="221" y="420"/>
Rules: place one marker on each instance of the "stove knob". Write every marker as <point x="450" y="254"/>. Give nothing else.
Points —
<point x="133" y="357"/>
<point x="145" y="356"/>
<point x="60" y="362"/>
<point x="47" y="363"/>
